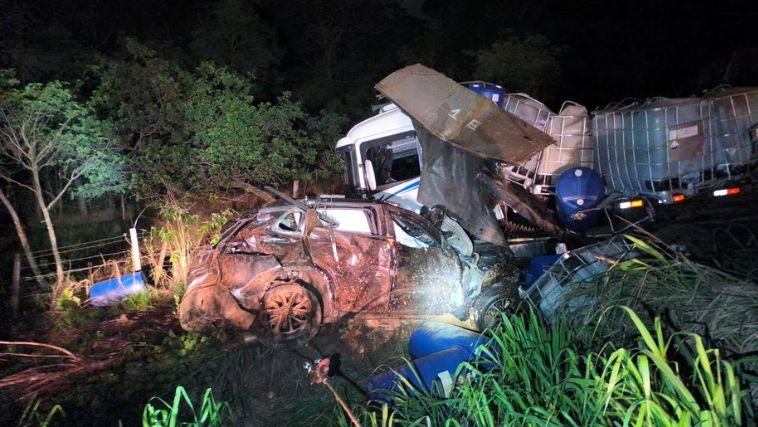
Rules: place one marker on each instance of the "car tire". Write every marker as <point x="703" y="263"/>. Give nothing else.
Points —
<point x="289" y="316"/>
<point x="493" y="302"/>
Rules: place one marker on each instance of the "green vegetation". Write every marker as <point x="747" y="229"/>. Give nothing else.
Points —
<point x="52" y="145"/>
<point x="142" y="126"/>
<point x="687" y="296"/>
<point x="32" y="417"/>
<point x="159" y="413"/>
<point x="202" y="131"/>
<point x="537" y="375"/>
<point x="177" y="235"/>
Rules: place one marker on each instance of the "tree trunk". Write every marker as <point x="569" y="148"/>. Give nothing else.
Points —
<point x="16" y="284"/>
<point x="123" y="208"/>
<point x="242" y="185"/>
<point x="39" y="195"/>
<point x="22" y="237"/>
<point x="82" y="202"/>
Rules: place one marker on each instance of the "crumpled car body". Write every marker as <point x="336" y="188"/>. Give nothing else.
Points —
<point x="285" y="270"/>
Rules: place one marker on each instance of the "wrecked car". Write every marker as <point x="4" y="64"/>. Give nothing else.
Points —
<point x="293" y="266"/>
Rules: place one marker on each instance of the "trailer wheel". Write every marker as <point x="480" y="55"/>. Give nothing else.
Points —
<point x="290" y="316"/>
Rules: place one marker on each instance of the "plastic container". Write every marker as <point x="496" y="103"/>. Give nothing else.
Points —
<point x="528" y="109"/>
<point x="550" y="293"/>
<point x="431" y="337"/>
<point x="657" y="148"/>
<point x="491" y="91"/>
<point x="537" y="268"/>
<point x="430" y="370"/>
<point x="577" y="191"/>
<point x="573" y="145"/>
<point x="113" y="290"/>
<point x="734" y="112"/>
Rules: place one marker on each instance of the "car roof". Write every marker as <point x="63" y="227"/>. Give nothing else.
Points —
<point x="337" y="201"/>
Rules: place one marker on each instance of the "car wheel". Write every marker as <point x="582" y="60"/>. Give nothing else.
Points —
<point x="290" y="315"/>
<point x="491" y="304"/>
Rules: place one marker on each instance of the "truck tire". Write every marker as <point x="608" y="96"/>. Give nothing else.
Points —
<point x="290" y="315"/>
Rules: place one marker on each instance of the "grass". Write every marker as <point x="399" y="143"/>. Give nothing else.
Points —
<point x="177" y="238"/>
<point x="34" y="417"/>
<point x="181" y="411"/>
<point x="686" y="296"/>
<point x="141" y="301"/>
<point x="545" y="376"/>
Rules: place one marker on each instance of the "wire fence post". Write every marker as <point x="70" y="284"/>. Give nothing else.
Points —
<point x="16" y="284"/>
<point x="136" y="262"/>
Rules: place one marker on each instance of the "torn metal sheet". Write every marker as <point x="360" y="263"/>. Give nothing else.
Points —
<point x="460" y="117"/>
<point x="448" y="179"/>
<point x="529" y="207"/>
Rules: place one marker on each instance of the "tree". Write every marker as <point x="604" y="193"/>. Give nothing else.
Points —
<point x="226" y="137"/>
<point x="525" y="64"/>
<point x="47" y="138"/>
<point x="203" y="131"/>
<point x="138" y="95"/>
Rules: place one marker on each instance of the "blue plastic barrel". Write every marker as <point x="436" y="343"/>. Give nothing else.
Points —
<point x="578" y="189"/>
<point x="427" y="372"/>
<point x="431" y="337"/>
<point x="491" y="91"/>
<point x="537" y="267"/>
<point x="113" y="290"/>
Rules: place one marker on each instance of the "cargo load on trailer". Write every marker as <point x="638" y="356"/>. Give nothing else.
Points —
<point x="734" y="120"/>
<point x="669" y="149"/>
<point x="573" y="145"/>
<point x="656" y="148"/>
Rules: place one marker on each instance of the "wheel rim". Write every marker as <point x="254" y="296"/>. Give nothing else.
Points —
<point x="493" y="312"/>
<point x="287" y="310"/>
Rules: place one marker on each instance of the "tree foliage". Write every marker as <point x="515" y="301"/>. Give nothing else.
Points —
<point x="203" y="130"/>
<point x="48" y="142"/>
<point x="528" y="64"/>
<point x="44" y="128"/>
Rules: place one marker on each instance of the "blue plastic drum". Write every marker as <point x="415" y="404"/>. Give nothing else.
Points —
<point x="537" y="267"/>
<point x="577" y="190"/>
<point x="431" y="337"/>
<point x="491" y="91"/>
<point x="431" y="369"/>
<point x="113" y="290"/>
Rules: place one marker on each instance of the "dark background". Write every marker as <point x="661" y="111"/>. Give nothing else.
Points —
<point x="331" y="52"/>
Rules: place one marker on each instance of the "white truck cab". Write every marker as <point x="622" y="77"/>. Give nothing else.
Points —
<point x="383" y="158"/>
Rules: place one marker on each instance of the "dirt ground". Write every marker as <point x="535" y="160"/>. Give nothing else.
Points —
<point x="146" y="354"/>
<point x="276" y="386"/>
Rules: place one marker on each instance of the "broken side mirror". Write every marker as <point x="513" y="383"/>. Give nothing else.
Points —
<point x="368" y="169"/>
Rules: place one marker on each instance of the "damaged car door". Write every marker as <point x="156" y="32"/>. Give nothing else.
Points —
<point x="428" y="273"/>
<point x="356" y="253"/>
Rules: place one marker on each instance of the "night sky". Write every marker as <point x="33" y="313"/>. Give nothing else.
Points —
<point x="331" y="52"/>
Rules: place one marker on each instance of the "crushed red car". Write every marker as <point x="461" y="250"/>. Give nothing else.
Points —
<point x="293" y="266"/>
